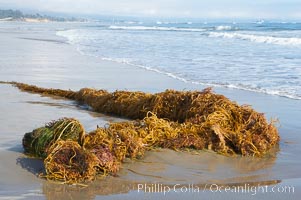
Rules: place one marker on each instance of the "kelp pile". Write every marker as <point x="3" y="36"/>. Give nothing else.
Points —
<point x="102" y="151"/>
<point x="170" y="119"/>
<point x="237" y="129"/>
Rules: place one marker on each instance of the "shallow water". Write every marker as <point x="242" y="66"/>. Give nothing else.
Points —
<point x="263" y="57"/>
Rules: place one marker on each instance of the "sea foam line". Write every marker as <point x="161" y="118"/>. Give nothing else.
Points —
<point x="160" y="28"/>
<point x="156" y="28"/>
<point x="219" y="85"/>
<point x="293" y="41"/>
<point x="224" y="28"/>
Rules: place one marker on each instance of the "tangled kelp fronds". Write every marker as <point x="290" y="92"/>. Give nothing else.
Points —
<point x="36" y="142"/>
<point x="173" y="105"/>
<point x="222" y="121"/>
<point x="108" y="150"/>
<point x="68" y="162"/>
<point x="133" y="138"/>
<point x="73" y="156"/>
<point x="156" y="132"/>
<point x="104" y="149"/>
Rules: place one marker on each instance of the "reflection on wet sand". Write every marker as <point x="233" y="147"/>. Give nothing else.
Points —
<point x="107" y="186"/>
<point x="111" y="185"/>
<point x="167" y="168"/>
<point x="67" y="104"/>
<point x="205" y="167"/>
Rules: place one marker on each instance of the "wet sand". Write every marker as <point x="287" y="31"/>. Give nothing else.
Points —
<point x="33" y="54"/>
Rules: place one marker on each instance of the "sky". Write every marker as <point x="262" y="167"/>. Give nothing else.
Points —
<point x="216" y="9"/>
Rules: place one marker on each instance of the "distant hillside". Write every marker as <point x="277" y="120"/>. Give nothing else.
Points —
<point x="16" y="15"/>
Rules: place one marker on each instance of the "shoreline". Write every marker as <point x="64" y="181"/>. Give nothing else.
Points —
<point x="46" y="63"/>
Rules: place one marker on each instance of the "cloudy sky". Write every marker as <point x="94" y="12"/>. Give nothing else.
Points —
<point x="274" y="9"/>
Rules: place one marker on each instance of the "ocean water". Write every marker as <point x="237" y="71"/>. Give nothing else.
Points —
<point x="260" y="56"/>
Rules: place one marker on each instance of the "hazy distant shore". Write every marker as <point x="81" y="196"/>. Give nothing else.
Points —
<point x="26" y="19"/>
<point x="16" y="15"/>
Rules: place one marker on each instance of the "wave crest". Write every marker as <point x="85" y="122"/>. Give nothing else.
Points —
<point x="224" y="28"/>
<point x="156" y="28"/>
<point x="162" y="28"/>
<point x="293" y="41"/>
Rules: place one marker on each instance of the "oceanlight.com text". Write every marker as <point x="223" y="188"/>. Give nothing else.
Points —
<point x="214" y="188"/>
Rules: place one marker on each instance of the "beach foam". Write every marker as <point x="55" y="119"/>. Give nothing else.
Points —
<point x="163" y="28"/>
<point x="224" y="28"/>
<point x="275" y="92"/>
<point x="293" y="41"/>
<point x="156" y="28"/>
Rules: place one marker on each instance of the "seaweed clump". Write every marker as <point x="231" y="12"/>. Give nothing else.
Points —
<point x="68" y="162"/>
<point x="37" y="142"/>
<point x="133" y="138"/>
<point x="236" y="129"/>
<point x="170" y="119"/>
<point x="102" y="151"/>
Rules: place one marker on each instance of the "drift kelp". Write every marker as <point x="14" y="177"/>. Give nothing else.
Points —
<point x="133" y="138"/>
<point x="34" y="89"/>
<point x="36" y="142"/>
<point x="108" y="150"/>
<point x="68" y="162"/>
<point x="104" y="149"/>
<point x="214" y="117"/>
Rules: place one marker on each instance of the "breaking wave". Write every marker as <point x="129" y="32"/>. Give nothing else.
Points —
<point x="162" y="28"/>
<point x="292" y="41"/>
<point x="156" y="28"/>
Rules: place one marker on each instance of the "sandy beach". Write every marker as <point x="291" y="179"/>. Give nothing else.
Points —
<point x="33" y="54"/>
